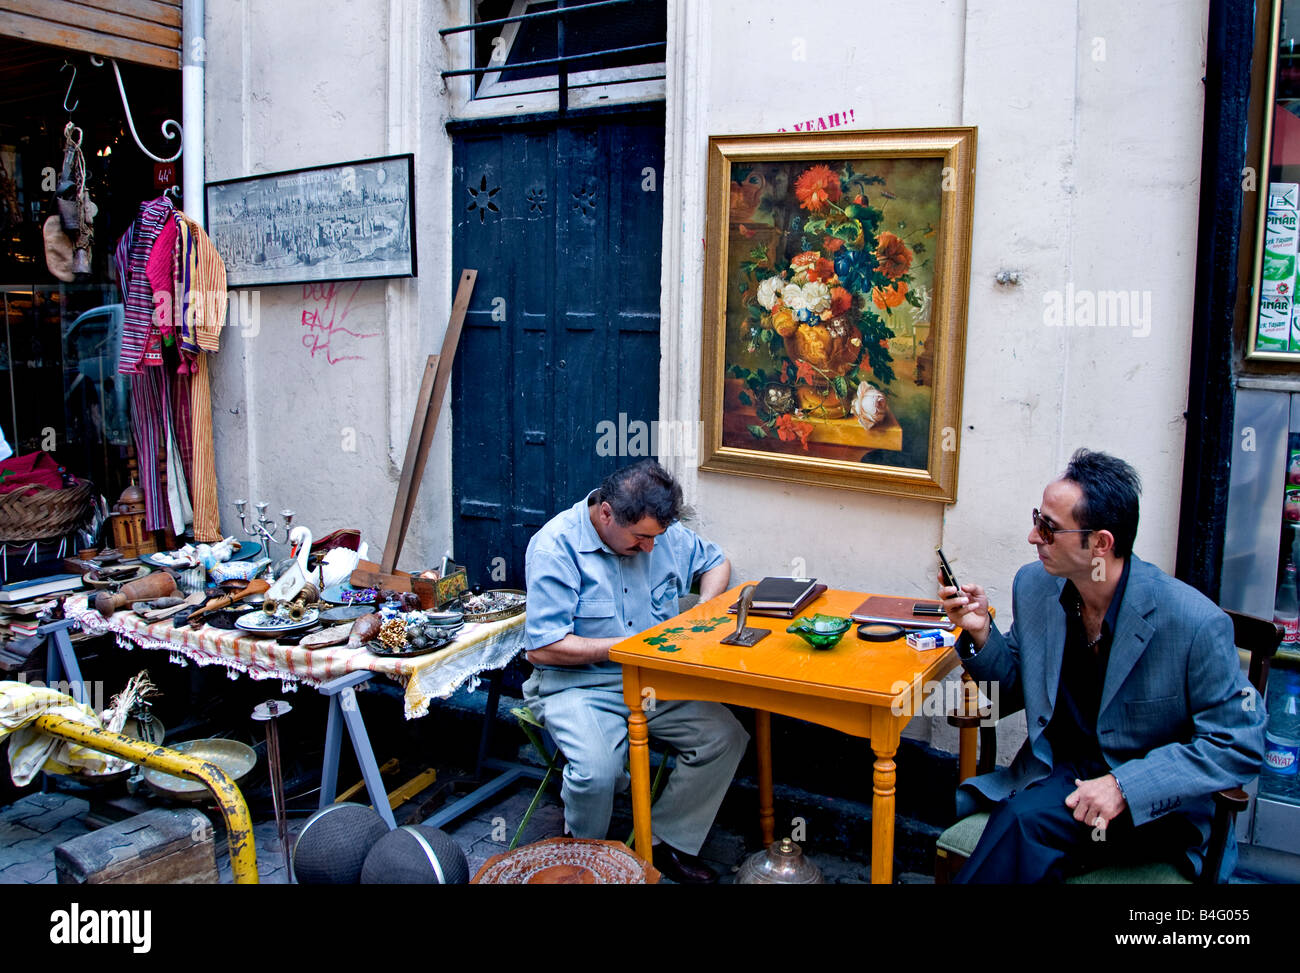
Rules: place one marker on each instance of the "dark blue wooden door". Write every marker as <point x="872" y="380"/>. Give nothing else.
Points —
<point x="563" y="221"/>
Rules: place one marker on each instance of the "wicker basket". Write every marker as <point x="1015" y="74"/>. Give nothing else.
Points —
<point x="42" y="513"/>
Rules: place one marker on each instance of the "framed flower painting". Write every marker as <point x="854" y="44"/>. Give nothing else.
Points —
<point x="835" y="307"/>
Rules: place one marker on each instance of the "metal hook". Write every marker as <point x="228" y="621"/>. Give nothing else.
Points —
<point x="171" y="129"/>
<point x="73" y="107"/>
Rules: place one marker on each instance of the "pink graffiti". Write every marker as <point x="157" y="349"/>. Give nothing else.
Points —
<point x="822" y="122"/>
<point x="323" y="319"/>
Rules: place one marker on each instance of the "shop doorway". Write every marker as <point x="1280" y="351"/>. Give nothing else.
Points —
<point x="558" y="366"/>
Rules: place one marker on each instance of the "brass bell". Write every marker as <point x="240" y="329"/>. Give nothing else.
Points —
<point x="782" y="863"/>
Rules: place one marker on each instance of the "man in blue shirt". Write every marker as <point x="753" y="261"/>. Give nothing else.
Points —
<point x="612" y="565"/>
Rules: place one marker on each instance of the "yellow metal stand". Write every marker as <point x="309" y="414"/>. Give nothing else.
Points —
<point x="239" y="824"/>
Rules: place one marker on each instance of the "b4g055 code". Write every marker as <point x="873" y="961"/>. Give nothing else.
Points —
<point x="1225" y="915"/>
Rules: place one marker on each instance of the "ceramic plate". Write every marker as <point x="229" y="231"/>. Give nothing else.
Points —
<point x="344" y="613"/>
<point x="260" y="623"/>
<point x="247" y="549"/>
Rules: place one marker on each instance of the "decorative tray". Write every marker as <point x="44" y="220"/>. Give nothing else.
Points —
<point x="492" y="605"/>
<point x="407" y="651"/>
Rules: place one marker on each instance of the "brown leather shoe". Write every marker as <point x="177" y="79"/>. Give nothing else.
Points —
<point x="683" y="868"/>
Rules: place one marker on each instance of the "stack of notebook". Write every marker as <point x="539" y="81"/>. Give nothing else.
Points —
<point x="902" y="612"/>
<point x="20" y="604"/>
<point x="782" y="597"/>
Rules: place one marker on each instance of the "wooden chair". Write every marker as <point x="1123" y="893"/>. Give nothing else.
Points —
<point x="1259" y="637"/>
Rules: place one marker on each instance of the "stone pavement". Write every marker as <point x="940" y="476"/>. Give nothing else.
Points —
<point x="32" y="827"/>
<point x="489" y="832"/>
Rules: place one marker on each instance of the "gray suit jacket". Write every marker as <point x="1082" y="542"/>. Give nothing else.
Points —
<point x="1178" y="720"/>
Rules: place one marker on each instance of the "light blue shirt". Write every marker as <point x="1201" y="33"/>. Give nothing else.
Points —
<point x="577" y="584"/>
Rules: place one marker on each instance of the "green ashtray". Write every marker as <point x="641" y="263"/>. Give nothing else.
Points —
<point x="821" y="631"/>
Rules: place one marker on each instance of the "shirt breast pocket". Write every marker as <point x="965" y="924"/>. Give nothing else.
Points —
<point x="595" y="618"/>
<point x="663" y="599"/>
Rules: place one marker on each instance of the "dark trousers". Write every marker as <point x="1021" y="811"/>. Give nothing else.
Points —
<point x="1033" y="837"/>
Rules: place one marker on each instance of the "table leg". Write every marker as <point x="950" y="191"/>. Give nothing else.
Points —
<point x="61" y="660"/>
<point x="884" y="744"/>
<point x="366" y="757"/>
<point x="329" y="775"/>
<point x="343" y="713"/>
<point x="489" y="717"/>
<point x="763" y="745"/>
<point x="638" y="736"/>
<point x="968" y="736"/>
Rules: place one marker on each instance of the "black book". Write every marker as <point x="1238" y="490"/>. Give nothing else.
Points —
<point x="782" y="593"/>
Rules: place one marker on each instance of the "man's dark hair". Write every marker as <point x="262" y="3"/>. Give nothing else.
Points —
<point x="1110" y="497"/>
<point x="644" y="489"/>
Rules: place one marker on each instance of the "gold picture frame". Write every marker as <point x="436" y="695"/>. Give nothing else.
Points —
<point x="836" y="284"/>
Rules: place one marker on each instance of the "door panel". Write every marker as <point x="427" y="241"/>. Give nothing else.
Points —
<point x="563" y="330"/>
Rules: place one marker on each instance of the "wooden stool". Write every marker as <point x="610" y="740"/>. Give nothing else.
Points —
<point x="567" y="861"/>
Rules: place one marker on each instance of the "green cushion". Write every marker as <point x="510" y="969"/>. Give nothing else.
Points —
<point x="963" y="836"/>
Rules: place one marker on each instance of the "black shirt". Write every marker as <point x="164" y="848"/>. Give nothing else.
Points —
<point x="1072" y="732"/>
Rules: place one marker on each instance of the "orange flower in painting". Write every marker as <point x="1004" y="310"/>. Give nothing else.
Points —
<point x="805" y="372"/>
<point x="817" y="188"/>
<point x="841" y="301"/>
<point x="822" y="270"/>
<point x="804" y="261"/>
<point x="887" y="297"/>
<point x="789" y="429"/>
<point x="892" y="256"/>
<point x="832" y="244"/>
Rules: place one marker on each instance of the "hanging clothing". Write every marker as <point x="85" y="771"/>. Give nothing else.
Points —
<point x="149" y="409"/>
<point x="205" y="316"/>
<point x="208" y="278"/>
<point x="141" y="340"/>
<point x="203" y="486"/>
<point x="166" y="263"/>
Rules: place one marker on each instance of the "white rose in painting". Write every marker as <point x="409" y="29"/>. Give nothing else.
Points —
<point x="769" y="291"/>
<point x="792" y="297"/>
<point x="816" y="296"/>
<point x="868" y="405"/>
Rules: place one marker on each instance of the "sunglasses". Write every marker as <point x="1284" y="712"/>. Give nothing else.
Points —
<point x="1048" y="533"/>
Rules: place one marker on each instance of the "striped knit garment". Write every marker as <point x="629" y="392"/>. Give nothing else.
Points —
<point x="141" y="344"/>
<point x="149" y="409"/>
<point x="208" y="296"/>
<point x="149" y="398"/>
<point x="203" y="484"/>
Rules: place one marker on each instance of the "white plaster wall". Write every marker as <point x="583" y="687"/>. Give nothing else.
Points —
<point x="1088" y="161"/>
<point x="313" y="405"/>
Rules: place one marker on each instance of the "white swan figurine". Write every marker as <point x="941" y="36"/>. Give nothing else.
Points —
<point x="336" y="566"/>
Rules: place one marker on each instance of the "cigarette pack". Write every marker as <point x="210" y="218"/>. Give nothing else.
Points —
<point x="930" y="638"/>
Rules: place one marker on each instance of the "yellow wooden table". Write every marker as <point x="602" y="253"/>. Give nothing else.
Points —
<point x="862" y="688"/>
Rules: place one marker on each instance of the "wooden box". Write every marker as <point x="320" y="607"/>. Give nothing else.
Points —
<point x="158" y="847"/>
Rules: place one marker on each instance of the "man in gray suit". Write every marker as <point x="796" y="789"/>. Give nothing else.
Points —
<point x="1136" y="706"/>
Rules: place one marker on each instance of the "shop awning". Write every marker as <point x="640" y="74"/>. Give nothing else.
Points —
<point x="140" y="31"/>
